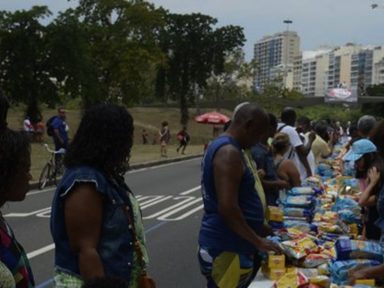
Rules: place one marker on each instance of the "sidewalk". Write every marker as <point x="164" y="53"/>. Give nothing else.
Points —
<point x="34" y="185"/>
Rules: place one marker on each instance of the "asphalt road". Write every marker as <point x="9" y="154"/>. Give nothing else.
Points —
<point x="170" y="199"/>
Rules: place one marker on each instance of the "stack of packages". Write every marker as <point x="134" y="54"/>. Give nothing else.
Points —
<point x="315" y="226"/>
<point x="354" y="254"/>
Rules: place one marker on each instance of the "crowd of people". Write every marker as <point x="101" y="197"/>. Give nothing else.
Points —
<point x="256" y="159"/>
<point x="96" y="221"/>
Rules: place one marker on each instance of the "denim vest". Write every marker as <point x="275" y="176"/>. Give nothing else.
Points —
<point x="115" y="244"/>
<point x="214" y="231"/>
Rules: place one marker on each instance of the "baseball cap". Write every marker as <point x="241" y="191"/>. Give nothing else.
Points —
<point x="359" y="148"/>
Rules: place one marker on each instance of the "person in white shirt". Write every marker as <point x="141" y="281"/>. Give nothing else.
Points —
<point x="305" y="130"/>
<point x="27" y="125"/>
<point x="299" y="152"/>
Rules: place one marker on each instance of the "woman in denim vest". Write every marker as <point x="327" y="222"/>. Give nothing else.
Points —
<point x="95" y="217"/>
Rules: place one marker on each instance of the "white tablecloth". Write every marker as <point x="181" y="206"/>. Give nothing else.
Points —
<point x="261" y="282"/>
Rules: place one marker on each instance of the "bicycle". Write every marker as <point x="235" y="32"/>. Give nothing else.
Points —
<point x="52" y="168"/>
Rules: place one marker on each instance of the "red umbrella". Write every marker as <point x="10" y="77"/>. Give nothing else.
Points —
<point x="212" y="118"/>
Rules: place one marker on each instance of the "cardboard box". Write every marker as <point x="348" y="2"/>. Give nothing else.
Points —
<point x="274" y="273"/>
<point x="276" y="261"/>
<point x="275" y="214"/>
<point x="369" y="282"/>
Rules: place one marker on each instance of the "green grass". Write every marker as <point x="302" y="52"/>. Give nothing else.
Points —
<point x="144" y="118"/>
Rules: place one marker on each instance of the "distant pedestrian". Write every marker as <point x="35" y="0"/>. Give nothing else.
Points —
<point x="183" y="138"/>
<point x="28" y="127"/>
<point x="144" y="136"/>
<point x="15" y="164"/>
<point x="60" y="130"/>
<point x="165" y="137"/>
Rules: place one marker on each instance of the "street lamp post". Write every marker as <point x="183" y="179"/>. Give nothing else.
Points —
<point x="288" y="22"/>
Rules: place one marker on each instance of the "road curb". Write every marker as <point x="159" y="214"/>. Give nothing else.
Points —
<point x="35" y="185"/>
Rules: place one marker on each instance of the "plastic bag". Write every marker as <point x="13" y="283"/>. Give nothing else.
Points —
<point x="354" y="249"/>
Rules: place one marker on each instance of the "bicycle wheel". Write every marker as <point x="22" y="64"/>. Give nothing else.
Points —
<point x="45" y="176"/>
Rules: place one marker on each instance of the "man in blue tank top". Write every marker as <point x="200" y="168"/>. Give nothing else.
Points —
<point x="233" y="214"/>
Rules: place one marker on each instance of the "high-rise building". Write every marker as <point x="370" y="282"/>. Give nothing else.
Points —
<point x="378" y="72"/>
<point x="314" y="72"/>
<point x="275" y="54"/>
<point x="340" y="66"/>
<point x="378" y="59"/>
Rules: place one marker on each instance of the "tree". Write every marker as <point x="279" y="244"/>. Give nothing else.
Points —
<point x="194" y="49"/>
<point x="234" y="82"/>
<point x="123" y="52"/>
<point x="23" y="58"/>
<point x="375" y="109"/>
<point x="70" y="57"/>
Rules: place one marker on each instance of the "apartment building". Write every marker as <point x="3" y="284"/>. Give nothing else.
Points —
<point x="275" y="54"/>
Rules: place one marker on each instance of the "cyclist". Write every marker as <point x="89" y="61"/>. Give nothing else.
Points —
<point x="60" y="135"/>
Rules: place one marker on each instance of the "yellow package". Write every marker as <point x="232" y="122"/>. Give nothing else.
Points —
<point x="294" y="279"/>
<point x="276" y="261"/>
<point x="369" y="282"/>
<point x="275" y="214"/>
<point x="274" y="273"/>
<point x="328" y="216"/>
<point x="353" y="230"/>
<point x="322" y="281"/>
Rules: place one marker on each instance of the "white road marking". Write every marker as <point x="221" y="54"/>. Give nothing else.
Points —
<point x="155" y="202"/>
<point x="149" y="199"/>
<point x="164" y="217"/>
<point x="186" y="200"/>
<point x="36" y="192"/>
<point x="40" y="251"/>
<point x="183" y="216"/>
<point x="28" y="214"/>
<point x="191" y="190"/>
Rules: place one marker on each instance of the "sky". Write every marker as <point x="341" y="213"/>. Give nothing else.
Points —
<point x="318" y="22"/>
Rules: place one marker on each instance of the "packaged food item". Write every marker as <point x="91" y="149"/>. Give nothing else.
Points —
<point x="276" y="261"/>
<point x="356" y="249"/>
<point x="299" y="201"/>
<point x="313" y="182"/>
<point x="301" y="191"/>
<point x="297" y="212"/>
<point x="315" y="260"/>
<point x="275" y="214"/>
<point x="302" y="225"/>
<point x="327" y="216"/>
<point x="323" y="269"/>
<point x="368" y="282"/>
<point x="339" y="269"/>
<point x="299" y="248"/>
<point x="273" y="273"/>
<point x="321" y="281"/>
<point x="329" y="228"/>
<point x="292" y="218"/>
<point x="293" y="279"/>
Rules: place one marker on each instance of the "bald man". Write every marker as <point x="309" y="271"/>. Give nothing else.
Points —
<point x="233" y="214"/>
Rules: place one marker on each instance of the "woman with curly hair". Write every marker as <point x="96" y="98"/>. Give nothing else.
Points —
<point x="96" y="221"/>
<point x="15" y="163"/>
